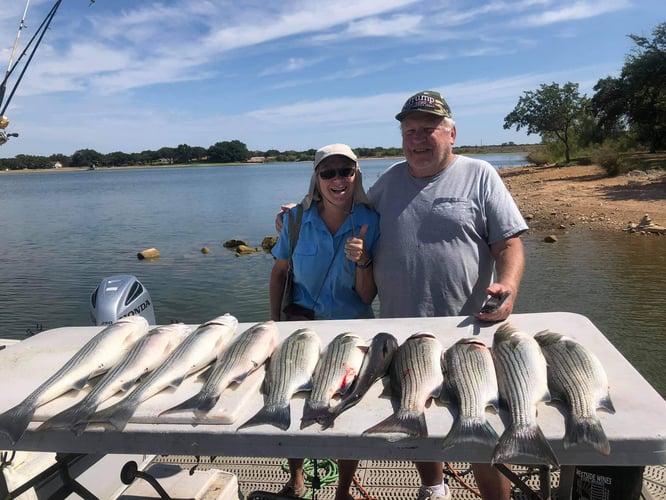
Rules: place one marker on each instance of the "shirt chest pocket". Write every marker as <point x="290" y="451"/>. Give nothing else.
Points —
<point x="447" y="218"/>
<point x="451" y="210"/>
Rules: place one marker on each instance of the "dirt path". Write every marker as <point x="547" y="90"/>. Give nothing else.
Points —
<point x="584" y="198"/>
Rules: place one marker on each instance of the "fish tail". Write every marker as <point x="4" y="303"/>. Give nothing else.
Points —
<point x="406" y="422"/>
<point x="69" y="418"/>
<point x="523" y="441"/>
<point x="199" y="403"/>
<point x="313" y="414"/>
<point x="117" y="415"/>
<point x="586" y="430"/>
<point x="277" y="416"/>
<point x="328" y="420"/>
<point x="470" y="430"/>
<point x="15" y="421"/>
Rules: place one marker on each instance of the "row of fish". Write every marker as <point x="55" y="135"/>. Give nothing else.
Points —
<point x="521" y="371"/>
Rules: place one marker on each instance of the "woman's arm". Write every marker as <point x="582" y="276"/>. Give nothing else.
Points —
<point x="365" y="281"/>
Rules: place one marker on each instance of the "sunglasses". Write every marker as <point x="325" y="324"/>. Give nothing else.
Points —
<point x="330" y="173"/>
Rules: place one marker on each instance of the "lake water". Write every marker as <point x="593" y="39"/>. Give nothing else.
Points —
<point x="61" y="233"/>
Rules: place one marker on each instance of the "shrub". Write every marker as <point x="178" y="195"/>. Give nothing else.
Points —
<point x="610" y="159"/>
<point x="540" y="156"/>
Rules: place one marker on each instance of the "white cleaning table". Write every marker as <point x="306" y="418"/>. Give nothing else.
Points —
<point x="637" y="432"/>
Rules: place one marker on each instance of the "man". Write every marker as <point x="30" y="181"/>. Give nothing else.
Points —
<point x="449" y="236"/>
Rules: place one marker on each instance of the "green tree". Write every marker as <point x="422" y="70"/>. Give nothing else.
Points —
<point x="182" y="154"/>
<point x="166" y="154"/>
<point x="198" y="153"/>
<point x="59" y="157"/>
<point x="228" y="152"/>
<point x="117" y="159"/>
<point x="86" y="158"/>
<point x="550" y="110"/>
<point x="637" y="99"/>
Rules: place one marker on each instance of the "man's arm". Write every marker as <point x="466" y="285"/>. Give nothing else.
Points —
<point x="509" y="265"/>
<point x="278" y="217"/>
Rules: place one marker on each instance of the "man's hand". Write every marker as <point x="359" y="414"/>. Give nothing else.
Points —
<point x="278" y="217"/>
<point x="504" y="310"/>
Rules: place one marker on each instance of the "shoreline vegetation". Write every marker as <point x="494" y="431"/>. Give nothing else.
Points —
<point x="552" y="198"/>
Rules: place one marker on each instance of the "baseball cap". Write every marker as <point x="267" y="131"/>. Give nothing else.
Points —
<point x="334" y="149"/>
<point x="427" y="101"/>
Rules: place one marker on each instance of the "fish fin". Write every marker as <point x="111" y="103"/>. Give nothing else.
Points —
<point x="607" y="404"/>
<point x="327" y="421"/>
<point x="15" y="421"/>
<point x="81" y="383"/>
<point x="128" y="385"/>
<point x="203" y="374"/>
<point x="78" y="427"/>
<point x="117" y="415"/>
<point x="198" y="403"/>
<point x="470" y="430"/>
<point x="265" y="384"/>
<point x="411" y="423"/>
<point x="446" y="395"/>
<point x="557" y="397"/>
<point x="586" y="430"/>
<point x="69" y="417"/>
<point x="387" y="390"/>
<point x="523" y="441"/>
<point x="436" y="392"/>
<point x="277" y="416"/>
<point x="242" y="376"/>
<point x="313" y="414"/>
<point x="307" y="386"/>
<point x="175" y="383"/>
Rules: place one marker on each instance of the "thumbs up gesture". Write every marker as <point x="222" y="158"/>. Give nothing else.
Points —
<point x="355" y="248"/>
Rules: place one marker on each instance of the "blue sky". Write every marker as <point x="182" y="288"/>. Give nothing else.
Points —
<point x="131" y="75"/>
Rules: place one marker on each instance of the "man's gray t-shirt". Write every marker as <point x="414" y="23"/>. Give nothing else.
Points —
<point x="433" y="255"/>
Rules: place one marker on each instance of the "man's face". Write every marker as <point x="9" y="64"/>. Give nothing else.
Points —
<point x="427" y="143"/>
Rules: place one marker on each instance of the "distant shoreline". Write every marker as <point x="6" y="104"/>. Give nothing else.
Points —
<point x="467" y="151"/>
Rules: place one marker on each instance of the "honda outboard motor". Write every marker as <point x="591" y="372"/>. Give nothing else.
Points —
<point x="119" y="296"/>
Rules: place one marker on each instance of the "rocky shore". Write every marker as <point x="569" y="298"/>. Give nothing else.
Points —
<point x="575" y="198"/>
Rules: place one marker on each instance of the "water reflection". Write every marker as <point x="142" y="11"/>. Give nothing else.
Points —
<point x="617" y="280"/>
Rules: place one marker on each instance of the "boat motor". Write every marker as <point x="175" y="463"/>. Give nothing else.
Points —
<point x="119" y="296"/>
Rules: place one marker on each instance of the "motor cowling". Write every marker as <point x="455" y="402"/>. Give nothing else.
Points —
<point x="119" y="296"/>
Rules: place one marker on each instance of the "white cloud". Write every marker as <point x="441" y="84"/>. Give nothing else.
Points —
<point x="575" y="11"/>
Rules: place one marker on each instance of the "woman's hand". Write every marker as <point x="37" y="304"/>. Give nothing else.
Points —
<point x="355" y="248"/>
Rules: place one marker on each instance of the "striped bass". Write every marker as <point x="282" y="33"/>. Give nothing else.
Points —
<point x="289" y="371"/>
<point x="522" y="380"/>
<point x="246" y="353"/>
<point x="334" y="374"/>
<point x="146" y="355"/>
<point x="416" y="375"/>
<point x="376" y="363"/>
<point x="471" y="384"/>
<point x="577" y="378"/>
<point x="97" y="356"/>
<point x="199" y="349"/>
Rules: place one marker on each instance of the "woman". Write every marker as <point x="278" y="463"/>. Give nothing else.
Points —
<point x="337" y="235"/>
<point x="332" y="263"/>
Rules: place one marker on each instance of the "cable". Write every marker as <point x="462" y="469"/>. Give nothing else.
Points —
<point x="459" y="478"/>
<point x="41" y="31"/>
<point x="330" y="474"/>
